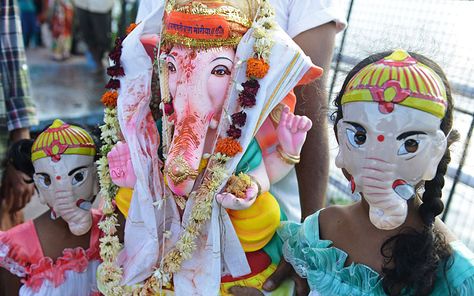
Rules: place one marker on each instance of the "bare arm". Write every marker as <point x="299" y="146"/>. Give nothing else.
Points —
<point x="9" y="284"/>
<point x="312" y="172"/>
<point x="313" y="169"/>
<point x="13" y="186"/>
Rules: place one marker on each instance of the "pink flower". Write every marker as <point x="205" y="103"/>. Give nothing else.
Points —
<point x="239" y="118"/>
<point x="251" y="86"/>
<point x="169" y="109"/>
<point x="115" y="54"/>
<point x="116" y="71"/>
<point x="247" y="100"/>
<point x="234" y="132"/>
<point x="113" y="84"/>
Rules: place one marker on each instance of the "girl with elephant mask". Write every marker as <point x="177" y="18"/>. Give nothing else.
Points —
<point x="394" y="127"/>
<point x="200" y="218"/>
<point x="58" y="252"/>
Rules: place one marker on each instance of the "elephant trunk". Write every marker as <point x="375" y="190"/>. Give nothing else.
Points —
<point x="182" y="164"/>
<point x="386" y="194"/>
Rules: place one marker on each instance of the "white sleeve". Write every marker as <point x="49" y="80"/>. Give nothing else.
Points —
<point x="307" y="14"/>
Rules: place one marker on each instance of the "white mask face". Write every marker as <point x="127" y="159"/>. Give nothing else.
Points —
<point x="387" y="155"/>
<point x="68" y="187"/>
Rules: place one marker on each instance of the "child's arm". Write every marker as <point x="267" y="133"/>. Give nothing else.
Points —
<point x="9" y="284"/>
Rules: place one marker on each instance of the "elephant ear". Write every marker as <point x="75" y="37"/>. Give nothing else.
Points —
<point x="150" y="42"/>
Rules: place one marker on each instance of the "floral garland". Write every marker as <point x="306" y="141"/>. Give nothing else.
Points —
<point x="226" y="148"/>
<point x="109" y="273"/>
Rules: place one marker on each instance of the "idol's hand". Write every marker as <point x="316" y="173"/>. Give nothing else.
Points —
<point x="292" y="130"/>
<point x="120" y="165"/>
<point x="232" y="202"/>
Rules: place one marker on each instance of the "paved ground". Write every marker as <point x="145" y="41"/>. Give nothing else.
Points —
<point x="68" y="90"/>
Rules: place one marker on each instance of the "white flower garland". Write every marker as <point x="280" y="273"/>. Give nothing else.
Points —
<point x="109" y="274"/>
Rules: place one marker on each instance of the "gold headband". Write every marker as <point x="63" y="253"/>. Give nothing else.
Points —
<point x="61" y="138"/>
<point x="398" y="79"/>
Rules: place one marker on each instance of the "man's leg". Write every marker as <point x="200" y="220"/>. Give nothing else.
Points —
<point x="101" y="23"/>
<point x="87" y="30"/>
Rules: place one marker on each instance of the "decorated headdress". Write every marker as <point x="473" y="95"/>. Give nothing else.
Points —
<point x="208" y="23"/>
<point x="61" y="138"/>
<point x="398" y="79"/>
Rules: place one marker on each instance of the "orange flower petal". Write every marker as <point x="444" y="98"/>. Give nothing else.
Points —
<point x="228" y="146"/>
<point x="257" y="68"/>
<point x="109" y="98"/>
<point x="130" y="28"/>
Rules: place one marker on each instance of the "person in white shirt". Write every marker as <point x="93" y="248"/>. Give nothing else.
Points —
<point x="95" y="26"/>
<point x="313" y="25"/>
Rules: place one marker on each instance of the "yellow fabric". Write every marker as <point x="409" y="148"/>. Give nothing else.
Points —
<point x="61" y="138"/>
<point x="255" y="281"/>
<point x="123" y="198"/>
<point x="256" y="225"/>
<point x="417" y="86"/>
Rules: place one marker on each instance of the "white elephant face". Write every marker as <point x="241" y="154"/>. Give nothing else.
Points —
<point x="198" y="83"/>
<point x="388" y="154"/>
<point x="68" y="187"/>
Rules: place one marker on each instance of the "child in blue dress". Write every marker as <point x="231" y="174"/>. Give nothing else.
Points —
<point x="393" y="124"/>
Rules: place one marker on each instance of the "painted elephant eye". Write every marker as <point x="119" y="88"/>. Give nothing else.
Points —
<point x="79" y="177"/>
<point x="44" y="180"/>
<point x="356" y="138"/>
<point x="409" y="146"/>
<point x="171" y="67"/>
<point x="220" y="71"/>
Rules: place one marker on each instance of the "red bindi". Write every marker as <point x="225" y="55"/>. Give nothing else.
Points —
<point x="380" y="138"/>
<point x="58" y="177"/>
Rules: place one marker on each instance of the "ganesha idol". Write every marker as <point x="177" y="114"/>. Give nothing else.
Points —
<point x="194" y="186"/>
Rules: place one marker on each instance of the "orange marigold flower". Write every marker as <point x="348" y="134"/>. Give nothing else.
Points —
<point x="257" y="68"/>
<point x="109" y="98"/>
<point x="130" y="28"/>
<point x="228" y="146"/>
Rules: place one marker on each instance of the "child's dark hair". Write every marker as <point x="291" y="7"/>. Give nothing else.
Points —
<point x="413" y="258"/>
<point x="19" y="155"/>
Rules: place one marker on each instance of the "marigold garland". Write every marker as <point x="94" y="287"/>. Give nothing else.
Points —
<point x="130" y="28"/>
<point x="109" y="98"/>
<point x="257" y="68"/>
<point x="228" y="146"/>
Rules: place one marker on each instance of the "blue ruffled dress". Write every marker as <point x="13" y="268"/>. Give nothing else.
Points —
<point x="323" y="265"/>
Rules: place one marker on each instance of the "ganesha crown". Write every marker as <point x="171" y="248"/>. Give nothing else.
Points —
<point x="230" y="13"/>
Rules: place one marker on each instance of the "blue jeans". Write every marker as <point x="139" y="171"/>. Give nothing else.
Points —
<point x="29" y="26"/>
